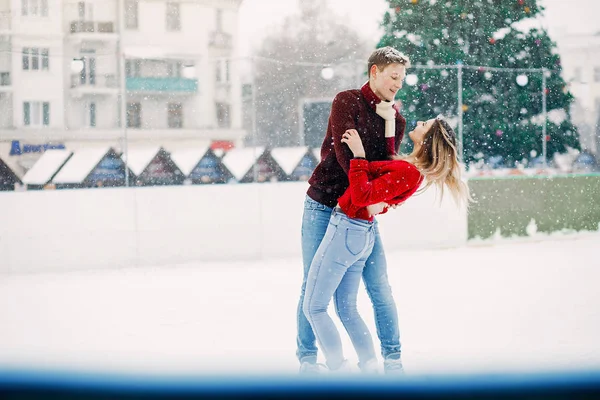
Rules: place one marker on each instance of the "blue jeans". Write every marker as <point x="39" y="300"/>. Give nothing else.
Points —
<point x="335" y="272"/>
<point x="314" y="224"/>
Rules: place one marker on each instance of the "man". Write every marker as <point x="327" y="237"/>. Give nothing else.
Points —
<point x="371" y="111"/>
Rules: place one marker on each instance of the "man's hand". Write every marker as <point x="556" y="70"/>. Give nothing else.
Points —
<point x="351" y="138"/>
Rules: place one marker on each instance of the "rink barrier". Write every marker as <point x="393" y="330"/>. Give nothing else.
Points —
<point x="526" y="205"/>
<point x="74" y="229"/>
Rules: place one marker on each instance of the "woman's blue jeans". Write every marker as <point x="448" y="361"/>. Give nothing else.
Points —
<point x="335" y="272"/>
<point x="314" y="225"/>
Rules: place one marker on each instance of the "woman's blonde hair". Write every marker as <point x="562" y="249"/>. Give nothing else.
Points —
<point x="437" y="159"/>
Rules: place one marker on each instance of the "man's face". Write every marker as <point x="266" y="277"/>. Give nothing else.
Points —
<point x="386" y="83"/>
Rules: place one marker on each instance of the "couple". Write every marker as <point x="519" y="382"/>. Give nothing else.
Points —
<point x="360" y="175"/>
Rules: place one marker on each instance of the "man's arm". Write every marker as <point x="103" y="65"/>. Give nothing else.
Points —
<point x="341" y="118"/>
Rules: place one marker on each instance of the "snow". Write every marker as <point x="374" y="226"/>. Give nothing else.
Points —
<point x="288" y="158"/>
<point x="510" y="307"/>
<point x="139" y="158"/>
<point x="187" y="159"/>
<point x="239" y="161"/>
<point x="80" y="165"/>
<point x="46" y="166"/>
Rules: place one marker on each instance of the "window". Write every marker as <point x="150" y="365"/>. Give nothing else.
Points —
<point x="92" y="109"/>
<point x="173" y="17"/>
<point x="131" y="14"/>
<point x="37" y="8"/>
<point x="174" y="69"/>
<point x="91" y="64"/>
<point x="175" y="116"/>
<point x="25" y="58"/>
<point x="134" y="115"/>
<point x="36" y="113"/>
<point x="223" y="118"/>
<point x="36" y="59"/>
<point x="218" y="75"/>
<point x="226" y="70"/>
<point x="596" y="74"/>
<point x="132" y="68"/>
<point x="45" y="59"/>
<point x="219" y="20"/>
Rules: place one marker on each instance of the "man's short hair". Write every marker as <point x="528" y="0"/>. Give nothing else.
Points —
<point x="385" y="56"/>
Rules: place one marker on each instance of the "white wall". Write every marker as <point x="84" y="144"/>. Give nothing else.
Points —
<point x="112" y="228"/>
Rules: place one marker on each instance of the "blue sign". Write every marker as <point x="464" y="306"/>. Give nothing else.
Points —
<point x="17" y="150"/>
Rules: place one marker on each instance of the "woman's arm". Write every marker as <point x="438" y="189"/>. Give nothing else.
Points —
<point x="364" y="192"/>
<point x="398" y="179"/>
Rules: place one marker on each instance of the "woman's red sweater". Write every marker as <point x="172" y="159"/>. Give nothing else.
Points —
<point x="373" y="182"/>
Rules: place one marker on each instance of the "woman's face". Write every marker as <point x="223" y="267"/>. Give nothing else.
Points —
<point x="418" y="134"/>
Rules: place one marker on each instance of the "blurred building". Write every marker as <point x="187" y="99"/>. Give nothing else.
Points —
<point x="580" y="57"/>
<point x="64" y="65"/>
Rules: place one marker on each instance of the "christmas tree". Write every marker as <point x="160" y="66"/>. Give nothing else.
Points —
<point x="502" y="109"/>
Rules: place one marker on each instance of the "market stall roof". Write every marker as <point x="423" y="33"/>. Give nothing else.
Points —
<point x="288" y="158"/>
<point x="46" y="167"/>
<point x="80" y="165"/>
<point x="187" y="159"/>
<point x="239" y="161"/>
<point x="139" y="158"/>
<point x="317" y="153"/>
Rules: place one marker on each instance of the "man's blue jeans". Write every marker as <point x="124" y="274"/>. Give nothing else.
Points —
<point x="335" y="272"/>
<point x="314" y="224"/>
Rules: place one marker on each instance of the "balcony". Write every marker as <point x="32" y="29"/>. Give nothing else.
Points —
<point x="101" y="84"/>
<point x="96" y="30"/>
<point x="161" y="85"/>
<point x="220" y="40"/>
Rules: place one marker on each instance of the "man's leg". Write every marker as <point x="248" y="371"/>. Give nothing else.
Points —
<point x="314" y="225"/>
<point x="379" y="290"/>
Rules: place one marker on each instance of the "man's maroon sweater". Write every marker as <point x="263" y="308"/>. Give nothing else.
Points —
<point x="351" y="109"/>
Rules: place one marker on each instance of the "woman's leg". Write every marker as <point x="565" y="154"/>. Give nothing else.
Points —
<point x="345" y="305"/>
<point x="329" y="266"/>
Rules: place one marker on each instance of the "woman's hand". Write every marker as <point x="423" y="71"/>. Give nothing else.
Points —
<point x="351" y="138"/>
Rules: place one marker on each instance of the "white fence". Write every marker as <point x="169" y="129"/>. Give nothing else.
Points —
<point x="111" y="228"/>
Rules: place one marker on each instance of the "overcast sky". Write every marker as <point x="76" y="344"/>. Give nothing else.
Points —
<point x="259" y="17"/>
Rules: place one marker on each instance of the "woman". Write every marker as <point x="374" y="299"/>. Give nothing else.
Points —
<point x="374" y="187"/>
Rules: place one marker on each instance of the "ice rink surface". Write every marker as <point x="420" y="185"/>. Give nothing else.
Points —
<point x="500" y="308"/>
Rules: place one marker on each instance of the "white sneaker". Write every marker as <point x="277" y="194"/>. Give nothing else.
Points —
<point x="369" y="367"/>
<point x="393" y="366"/>
<point x="343" y="369"/>
<point x="307" y="368"/>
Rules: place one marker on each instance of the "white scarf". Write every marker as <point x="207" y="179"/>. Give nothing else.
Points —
<point x="385" y="110"/>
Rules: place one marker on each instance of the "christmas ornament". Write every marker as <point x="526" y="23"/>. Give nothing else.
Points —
<point x="492" y="40"/>
<point x="465" y="107"/>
